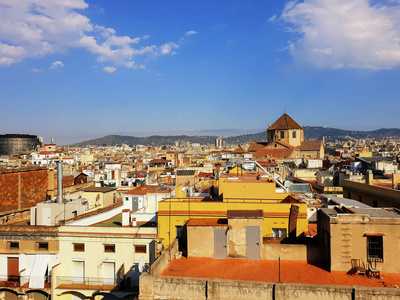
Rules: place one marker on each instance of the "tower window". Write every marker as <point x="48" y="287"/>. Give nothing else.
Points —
<point x="294" y="134"/>
<point x="282" y="134"/>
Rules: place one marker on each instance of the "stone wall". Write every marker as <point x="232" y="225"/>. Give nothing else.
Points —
<point x="170" y="287"/>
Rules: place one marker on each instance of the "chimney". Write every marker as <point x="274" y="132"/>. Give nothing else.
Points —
<point x="126" y="214"/>
<point x="294" y="211"/>
<point x="134" y="222"/>
<point x="395" y="180"/>
<point x="369" y="177"/>
<point x="59" y="182"/>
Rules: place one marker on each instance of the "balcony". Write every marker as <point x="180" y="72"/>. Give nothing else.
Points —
<point x="85" y="283"/>
<point x="16" y="281"/>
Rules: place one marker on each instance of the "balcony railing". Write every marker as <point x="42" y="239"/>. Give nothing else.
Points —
<point x="16" y="281"/>
<point x="85" y="283"/>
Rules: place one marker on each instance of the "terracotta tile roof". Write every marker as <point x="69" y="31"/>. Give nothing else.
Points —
<point x="256" y="145"/>
<point x="239" y="150"/>
<point x="205" y="175"/>
<point x="159" y="160"/>
<point x="311" y="145"/>
<point x="268" y="271"/>
<point x="284" y="144"/>
<point x="284" y="122"/>
<point x="274" y="152"/>
<point x="48" y="152"/>
<point x="145" y="189"/>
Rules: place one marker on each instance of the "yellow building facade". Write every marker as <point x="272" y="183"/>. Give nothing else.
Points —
<point x="234" y="194"/>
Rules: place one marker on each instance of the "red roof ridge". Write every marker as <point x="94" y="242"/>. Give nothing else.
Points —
<point x="285" y="122"/>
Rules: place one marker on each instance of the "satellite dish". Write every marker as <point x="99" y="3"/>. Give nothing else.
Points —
<point x="142" y="264"/>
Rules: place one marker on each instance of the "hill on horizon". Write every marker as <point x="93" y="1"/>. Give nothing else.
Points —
<point x="310" y="133"/>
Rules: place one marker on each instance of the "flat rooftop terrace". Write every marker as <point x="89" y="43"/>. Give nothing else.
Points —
<point x="267" y="270"/>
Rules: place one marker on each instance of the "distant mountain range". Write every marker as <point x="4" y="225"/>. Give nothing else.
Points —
<point x="310" y="132"/>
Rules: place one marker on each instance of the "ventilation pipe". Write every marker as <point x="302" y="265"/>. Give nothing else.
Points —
<point x="59" y="182"/>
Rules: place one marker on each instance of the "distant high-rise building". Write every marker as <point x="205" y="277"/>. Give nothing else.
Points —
<point x="16" y="143"/>
<point x="218" y="142"/>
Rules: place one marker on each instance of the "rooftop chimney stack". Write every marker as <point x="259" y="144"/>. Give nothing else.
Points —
<point x="369" y="177"/>
<point x="59" y="182"/>
<point x="126" y="215"/>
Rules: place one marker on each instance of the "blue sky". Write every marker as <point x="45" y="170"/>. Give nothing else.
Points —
<point x="75" y="69"/>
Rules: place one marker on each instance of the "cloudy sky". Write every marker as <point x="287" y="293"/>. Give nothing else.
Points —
<point x="76" y="69"/>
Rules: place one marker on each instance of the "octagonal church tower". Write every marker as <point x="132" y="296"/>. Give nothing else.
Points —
<point x="286" y="130"/>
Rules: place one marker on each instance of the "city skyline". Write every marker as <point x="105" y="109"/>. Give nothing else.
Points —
<point x="77" y="69"/>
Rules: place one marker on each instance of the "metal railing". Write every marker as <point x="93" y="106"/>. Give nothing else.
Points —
<point x="16" y="281"/>
<point x="86" y="282"/>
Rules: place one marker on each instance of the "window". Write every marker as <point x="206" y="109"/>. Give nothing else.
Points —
<point x="13" y="245"/>
<point x="79" y="247"/>
<point x="279" y="232"/>
<point x="375" y="203"/>
<point x="294" y="134"/>
<point x="360" y="198"/>
<point x="272" y="135"/>
<point x="44" y="246"/>
<point x="110" y="248"/>
<point x="349" y="195"/>
<point x="375" y="248"/>
<point x="277" y="170"/>
<point x="140" y="249"/>
<point x="282" y="134"/>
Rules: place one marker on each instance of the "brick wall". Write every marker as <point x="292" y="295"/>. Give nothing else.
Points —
<point x="23" y="189"/>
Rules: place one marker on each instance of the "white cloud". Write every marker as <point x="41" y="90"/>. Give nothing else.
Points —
<point x="168" y="48"/>
<point x="345" y="33"/>
<point x="110" y="69"/>
<point x="56" y="64"/>
<point x="272" y="19"/>
<point x="191" y="32"/>
<point x="36" y="28"/>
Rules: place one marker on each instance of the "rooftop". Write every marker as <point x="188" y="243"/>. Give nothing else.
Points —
<point x="284" y="122"/>
<point x="99" y="189"/>
<point x="185" y="172"/>
<point x="145" y="189"/>
<point x="207" y="222"/>
<point x="245" y="214"/>
<point x="374" y="213"/>
<point x="266" y="270"/>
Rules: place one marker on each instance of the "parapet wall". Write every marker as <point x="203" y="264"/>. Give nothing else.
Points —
<point x="171" y="287"/>
<point x="163" y="261"/>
